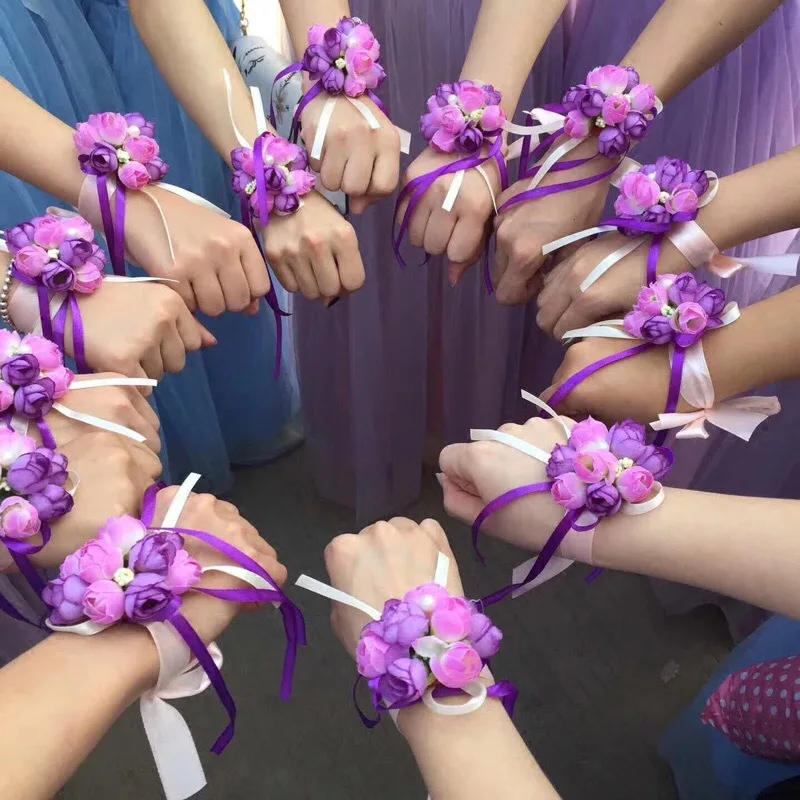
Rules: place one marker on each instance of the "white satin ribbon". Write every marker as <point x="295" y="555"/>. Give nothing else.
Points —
<point x="740" y="416"/>
<point x="366" y="113"/>
<point x="21" y="424"/>
<point x="180" y="675"/>
<point x="627" y="165"/>
<point x="476" y="690"/>
<point x="604" y="330"/>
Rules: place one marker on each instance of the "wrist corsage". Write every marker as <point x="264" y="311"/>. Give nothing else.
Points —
<point x="33" y="487"/>
<point x="676" y="311"/>
<point x="138" y="574"/>
<point x="612" y="106"/>
<point x="598" y="473"/>
<point x="59" y="257"/>
<point x="662" y="200"/>
<point x="33" y="379"/>
<point x="427" y="645"/>
<point x="270" y="176"/>
<point x="462" y="118"/>
<point x="120" y="153"/>
<point x="343" y="62"/>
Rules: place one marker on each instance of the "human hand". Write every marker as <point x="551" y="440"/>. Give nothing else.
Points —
<point x="217" y="263"/>
<point x="476" y="473"/>
<point x="524" y="229"/>
<point x="461" y="233"/>
<point x="124" y="405"/>
<point x="356" y="160"/>
<point x="562" y="304"/>
<point x="138" y="330"/>
<point x="383" y="562"/>
<point x="635" y="388"/>
<point x="113" y="473"/>
<point x="203" y="512"/>
<point x="315" y="250"/>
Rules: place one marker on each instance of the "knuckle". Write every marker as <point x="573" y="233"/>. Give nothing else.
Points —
<point x="383" y="530"/>
<point x="510" y="428"/>
<point x="312" y="240"/>
<point x="345" y="236"/>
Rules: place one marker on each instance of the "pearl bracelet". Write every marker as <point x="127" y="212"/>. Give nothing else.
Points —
<point x="4" y="292"/>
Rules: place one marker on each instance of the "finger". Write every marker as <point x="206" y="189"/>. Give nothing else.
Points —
<point x="144" y="459"/>
<point x="349" y="265"/>
<point x="144" y="410"/>
<point x="304" y="275"/>
<point x="283" y="272"/>
<point x="553" y="302"/>
<point x="173" y="354"/>
<point x="235" y="289"/>
<point x="139" y="372"/>
<point x="418" y="224"/>
<point x="438" y="231"/>
<point x="184" y="289"/>
<point x="152" y="364"/>
<point x="358" y="205"/>
<point x="462" y="248"/>
<point x="403" y="524"/>
<point x="460" y="504"/>
<point x="358" y="171"/>
<point x="500" y="261"/>
<point x="190" y="331"/>
<point x="210" y="299"/>
<point x="385" y="173"/>
<point x="333" y="165"/>
<point x="454" y="462"/>
<point x="437" y="535"/>
<point x="326" y="273"/>
<point x="255" y="270"/>
<point x="252" y="307"/>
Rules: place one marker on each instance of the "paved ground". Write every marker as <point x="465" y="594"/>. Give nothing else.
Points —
<point x="589" y="661"/>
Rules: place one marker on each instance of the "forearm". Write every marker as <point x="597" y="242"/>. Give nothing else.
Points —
<point x="300" y="15"/>
<point x="758" y="201"/>
<point x="518" y="30"/>
<point x="193" y="67"/>
<point x="36" y="147"/>
<point x="453" y="753"/>
<point x="758" y="349"/>
<point x="59" y="699"/>
<point x="742" y="547"/>
<point x="687" y="37"/>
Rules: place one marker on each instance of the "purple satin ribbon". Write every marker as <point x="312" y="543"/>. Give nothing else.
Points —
<point x="499" y="503"/>
<point x="115" y="235"/>
<point x="20" y="551"/>
<point x="149" y="503"/>
<point x="293" y="622"/>
<point x="48" y="440"/>
<point x="415" y="190"/>
<point x="546" y="553"/>
<point x="271" y="298"/>
<point x="674" y="392"/>
<point x="567" y="387"/>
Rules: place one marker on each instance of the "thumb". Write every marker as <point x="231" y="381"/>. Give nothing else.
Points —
<point x="458" y="503"/>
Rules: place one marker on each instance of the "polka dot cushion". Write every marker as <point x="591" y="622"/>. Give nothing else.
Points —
<point x="758" y="709"/>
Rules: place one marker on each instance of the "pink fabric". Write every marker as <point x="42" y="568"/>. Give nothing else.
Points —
<point x="758" y="709"/>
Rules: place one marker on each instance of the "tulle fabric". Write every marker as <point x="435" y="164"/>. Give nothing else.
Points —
<point x="408" y="360"/>
<point x="741" y="112"/>
<point x="225" y="406"/>
<point x="705" y="763"/>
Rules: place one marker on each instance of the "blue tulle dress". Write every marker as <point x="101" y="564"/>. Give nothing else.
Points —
<point x="75" y="57"/>
<point x="706" y="765"/>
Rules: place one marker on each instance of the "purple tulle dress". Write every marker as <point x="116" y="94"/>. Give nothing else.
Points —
<point x="741" y="112"/>
<point x="409" y="362"/>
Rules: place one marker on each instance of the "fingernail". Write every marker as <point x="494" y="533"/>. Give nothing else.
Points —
<point x="440" y="478"/>
<point x="332" y="302"/>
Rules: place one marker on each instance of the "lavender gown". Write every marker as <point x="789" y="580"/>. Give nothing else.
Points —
<point x="741" y="112"/>
<point x="407" y="358"/>
<point x="408" y="361"/>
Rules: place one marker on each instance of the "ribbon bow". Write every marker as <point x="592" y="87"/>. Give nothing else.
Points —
<point x="739" y="416"/>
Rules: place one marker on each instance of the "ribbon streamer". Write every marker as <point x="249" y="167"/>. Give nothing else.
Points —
<point x="187" y="667"/>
